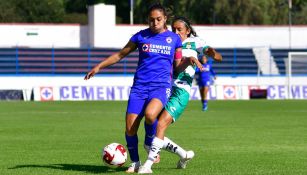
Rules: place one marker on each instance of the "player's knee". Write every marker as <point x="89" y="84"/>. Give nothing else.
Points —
<point x="150" y="116"/>
<point x="150" y="120"/>
<point x="130" y="131"/>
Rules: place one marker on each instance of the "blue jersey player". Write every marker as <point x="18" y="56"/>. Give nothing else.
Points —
<point x="204" y="81"/>
<point x="159" y="52"/>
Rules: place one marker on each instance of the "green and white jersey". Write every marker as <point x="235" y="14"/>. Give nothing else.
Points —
<point x="191" y="47"/>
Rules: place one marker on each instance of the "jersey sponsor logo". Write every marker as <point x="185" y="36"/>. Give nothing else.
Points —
<point x="168" y="40"/>
<point x="146" y="47"/>
<point x="46" y="93"/>
<point x="157" y="48"/>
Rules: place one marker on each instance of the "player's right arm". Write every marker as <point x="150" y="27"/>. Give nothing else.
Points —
<point x="130" y="46"/>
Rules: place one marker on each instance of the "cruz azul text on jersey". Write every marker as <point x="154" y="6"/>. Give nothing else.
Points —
<point x="156" y="48"/>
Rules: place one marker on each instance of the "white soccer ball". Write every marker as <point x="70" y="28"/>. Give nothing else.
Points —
<point x="114" y="155"/>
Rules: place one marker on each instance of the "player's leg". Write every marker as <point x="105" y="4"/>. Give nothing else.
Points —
<point x="164" y="121"/>
<point x="152" y="111"/>
<point x="202" y="94"/>
<point x="156" y="101"/>
<point x="170" y="115"/>
<point x="172" y="112"/>
<point x="150" y="124"/>
<point x="134" y="114"/>
<point x="174" y="109"/>
<point x="160" y="142"/>
<point x="205" y="101"/>
<point x="132" y="125"/>
<point x="184" y="155"/>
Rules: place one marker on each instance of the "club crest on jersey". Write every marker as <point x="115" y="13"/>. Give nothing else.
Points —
<point x="145" y="47"/>
<point x="189" y="45"/>
<point x="168" y="40"/>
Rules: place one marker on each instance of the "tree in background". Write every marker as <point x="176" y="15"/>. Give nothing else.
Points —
<point x="43" y="11"/>
<point x="249" y="12"/>
<point x="32" y="11"/>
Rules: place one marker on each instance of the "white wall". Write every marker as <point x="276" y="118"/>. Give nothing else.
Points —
<point x="75" y="36"/>
<point x="101" y="25"/>
<point x="40" y="35"/>
<point x="230" y="36"/>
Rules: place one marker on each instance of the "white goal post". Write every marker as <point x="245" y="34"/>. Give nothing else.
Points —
<point x="295" y="66"/>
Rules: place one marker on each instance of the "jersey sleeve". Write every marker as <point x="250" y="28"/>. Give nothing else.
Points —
<point x="201" y="45"/>
<point x="135" y="38"/>
<point x="178" y="42"/>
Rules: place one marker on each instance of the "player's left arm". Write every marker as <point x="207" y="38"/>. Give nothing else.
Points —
<point x="181" y="64"/>
<point x="213" y="53"/>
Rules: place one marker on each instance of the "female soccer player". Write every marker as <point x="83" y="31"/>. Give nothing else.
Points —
<point x="158" y="49"/>
<point x="204" y="81"/>
<point x="182" y="82"/>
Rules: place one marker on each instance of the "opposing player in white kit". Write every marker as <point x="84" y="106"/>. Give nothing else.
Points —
<point x="182" y="82"/>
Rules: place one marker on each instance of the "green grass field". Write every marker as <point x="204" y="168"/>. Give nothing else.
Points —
<point x="232" y="138"/>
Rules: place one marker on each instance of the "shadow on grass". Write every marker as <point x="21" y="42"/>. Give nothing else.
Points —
<point x="93" y="169"/>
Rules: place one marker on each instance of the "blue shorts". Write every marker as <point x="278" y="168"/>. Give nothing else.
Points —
<point x="204" y="82"/>
<point x="140" y="96"/>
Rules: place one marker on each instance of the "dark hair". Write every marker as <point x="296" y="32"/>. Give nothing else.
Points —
<point x="187" y="23"/>
<point x="157" y="6"/>
<point x="160" y="7"/>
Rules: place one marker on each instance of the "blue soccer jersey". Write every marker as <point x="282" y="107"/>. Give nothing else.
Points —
<point x="204" y="78"/>
<point x="156" y="56"/>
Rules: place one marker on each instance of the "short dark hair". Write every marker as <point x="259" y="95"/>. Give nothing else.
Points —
<point x="157" y="6"/>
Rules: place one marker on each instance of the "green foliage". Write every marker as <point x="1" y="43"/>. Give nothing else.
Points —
<point x="268" y="12"/>
<point x="32" y="11"/>
<point x="8" y="12"/>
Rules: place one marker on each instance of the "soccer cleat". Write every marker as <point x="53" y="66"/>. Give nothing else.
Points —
<point x="134" y="167"/>
<point x="147" y="148"/>
<point x="144" y="170"/>
<point x="182" y="163"/>
<point x="205" y="108"/>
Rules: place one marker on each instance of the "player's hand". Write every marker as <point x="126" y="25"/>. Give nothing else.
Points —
<point x="197" y="63"/>
<point x="91" y="73"/>
<point x="210" y="52"/>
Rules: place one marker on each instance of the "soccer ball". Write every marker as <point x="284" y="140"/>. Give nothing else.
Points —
<point x="114" y="155"/>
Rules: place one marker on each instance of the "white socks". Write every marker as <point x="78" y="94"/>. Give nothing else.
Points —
<point x="154" y="151"/>
<point x="172" y="147"/>
<point x="167" y="144"/>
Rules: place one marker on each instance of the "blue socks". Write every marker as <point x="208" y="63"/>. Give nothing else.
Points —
<point x="150" y="132"/>
<point x="132" y="145"/>
<point x="132" y="141"/>
<point x="205" y="103"/>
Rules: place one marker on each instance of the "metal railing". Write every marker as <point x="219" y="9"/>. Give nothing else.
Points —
<point x="20" y="61"/>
